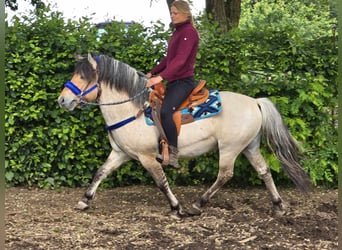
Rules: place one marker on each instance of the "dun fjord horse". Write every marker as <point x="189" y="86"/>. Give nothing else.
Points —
<point x="120" y="92"/>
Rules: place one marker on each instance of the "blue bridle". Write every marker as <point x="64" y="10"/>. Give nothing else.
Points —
<point x="74" y="89"/>
<point x="79" y="93"/>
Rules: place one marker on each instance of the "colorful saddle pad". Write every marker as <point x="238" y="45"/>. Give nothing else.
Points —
<point x="212" y="106"/>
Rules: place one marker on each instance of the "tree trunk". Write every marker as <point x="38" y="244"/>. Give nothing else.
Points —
<point x="169" y="2"/>
<point x="233" y="12"/>
<point x="225" y="12"/>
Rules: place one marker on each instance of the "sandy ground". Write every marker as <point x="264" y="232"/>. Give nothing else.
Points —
<point x="136" y="218"/>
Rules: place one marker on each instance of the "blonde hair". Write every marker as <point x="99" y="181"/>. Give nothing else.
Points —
<point x="183" y="7"/>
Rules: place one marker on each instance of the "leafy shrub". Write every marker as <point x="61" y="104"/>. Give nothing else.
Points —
<point x="268" y="55"/>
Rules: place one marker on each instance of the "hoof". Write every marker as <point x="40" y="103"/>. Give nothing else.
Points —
<point x="178" y="213"/>
<point x="82" y="206"/>
<point x="175" y="215"/>
<point x="194" y="211"/>
<point x="280" y="209"/>
<point x="278" y="213"/>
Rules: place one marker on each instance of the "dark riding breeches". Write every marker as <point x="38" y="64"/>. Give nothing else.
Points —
<point x="176" y="92"/>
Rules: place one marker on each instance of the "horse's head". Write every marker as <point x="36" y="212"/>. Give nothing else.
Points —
<point x="83" y="85"/>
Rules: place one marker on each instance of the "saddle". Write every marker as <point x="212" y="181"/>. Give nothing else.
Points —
<point x="198" y="96"/>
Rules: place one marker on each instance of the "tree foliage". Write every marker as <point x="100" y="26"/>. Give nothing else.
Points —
<point x="285" y="52"/>
<point x="13" y="4"/>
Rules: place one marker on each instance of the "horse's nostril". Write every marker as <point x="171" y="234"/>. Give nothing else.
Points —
<point x="61" y="100"/>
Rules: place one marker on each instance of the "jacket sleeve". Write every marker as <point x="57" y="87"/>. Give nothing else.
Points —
<point x="160" y="67"/>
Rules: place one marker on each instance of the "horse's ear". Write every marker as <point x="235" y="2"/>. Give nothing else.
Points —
<point x="92" y="61"/>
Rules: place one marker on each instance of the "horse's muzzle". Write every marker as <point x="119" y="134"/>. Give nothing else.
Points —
<point x="68" y="103"/>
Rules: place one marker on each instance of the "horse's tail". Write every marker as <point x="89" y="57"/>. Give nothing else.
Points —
<point x="283" y="144"/>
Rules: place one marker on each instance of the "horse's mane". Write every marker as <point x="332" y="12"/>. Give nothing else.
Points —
<point x="123" y="78"/>
<point x="118" y="75"/>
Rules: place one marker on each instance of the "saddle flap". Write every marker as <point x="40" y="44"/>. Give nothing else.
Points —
<point x="198" y="95"/>
<point x="199" y="87"/>
<point x="160" y="88"/>
<point x="157" y="94"/>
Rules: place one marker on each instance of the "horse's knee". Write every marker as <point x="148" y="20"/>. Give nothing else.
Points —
<point x="227" y="177"/>
<point x="265" y="174"/>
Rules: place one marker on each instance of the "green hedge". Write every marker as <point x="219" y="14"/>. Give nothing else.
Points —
<point x="49" y="147"/>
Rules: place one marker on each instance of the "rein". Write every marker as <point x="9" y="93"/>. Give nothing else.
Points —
<point x="116" y="103"/>
<point x="79" y="93"/>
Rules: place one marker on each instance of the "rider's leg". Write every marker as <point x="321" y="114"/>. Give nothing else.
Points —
<point x="176" y="92"/>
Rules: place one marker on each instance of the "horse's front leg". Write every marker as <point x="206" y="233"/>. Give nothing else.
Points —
<point x="114" y="160"/>
<point x="158" y="175"/>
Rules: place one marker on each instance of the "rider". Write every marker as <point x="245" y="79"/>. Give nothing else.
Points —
<point x="177" y="68"/>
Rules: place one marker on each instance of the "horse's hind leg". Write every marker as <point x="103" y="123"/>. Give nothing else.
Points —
<point x="252" y="152"/>
<point x="226" y="171"/>
<point x="114" y="160"/>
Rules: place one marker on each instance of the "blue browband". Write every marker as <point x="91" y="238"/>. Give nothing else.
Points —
<point x="97" y="59"/>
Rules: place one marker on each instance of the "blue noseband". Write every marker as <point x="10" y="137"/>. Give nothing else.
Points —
<point x="74" y="89"/>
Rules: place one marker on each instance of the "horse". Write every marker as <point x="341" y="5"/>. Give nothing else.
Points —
<point x="121" y="94"/>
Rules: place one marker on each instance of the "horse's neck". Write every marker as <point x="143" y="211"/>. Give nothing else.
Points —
<point x="117" y="111"/>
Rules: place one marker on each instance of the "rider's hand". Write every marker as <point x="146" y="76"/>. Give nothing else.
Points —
<point x="153" y="80"/>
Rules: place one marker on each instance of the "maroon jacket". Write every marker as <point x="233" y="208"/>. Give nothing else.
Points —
<point x="181" y="54"/>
